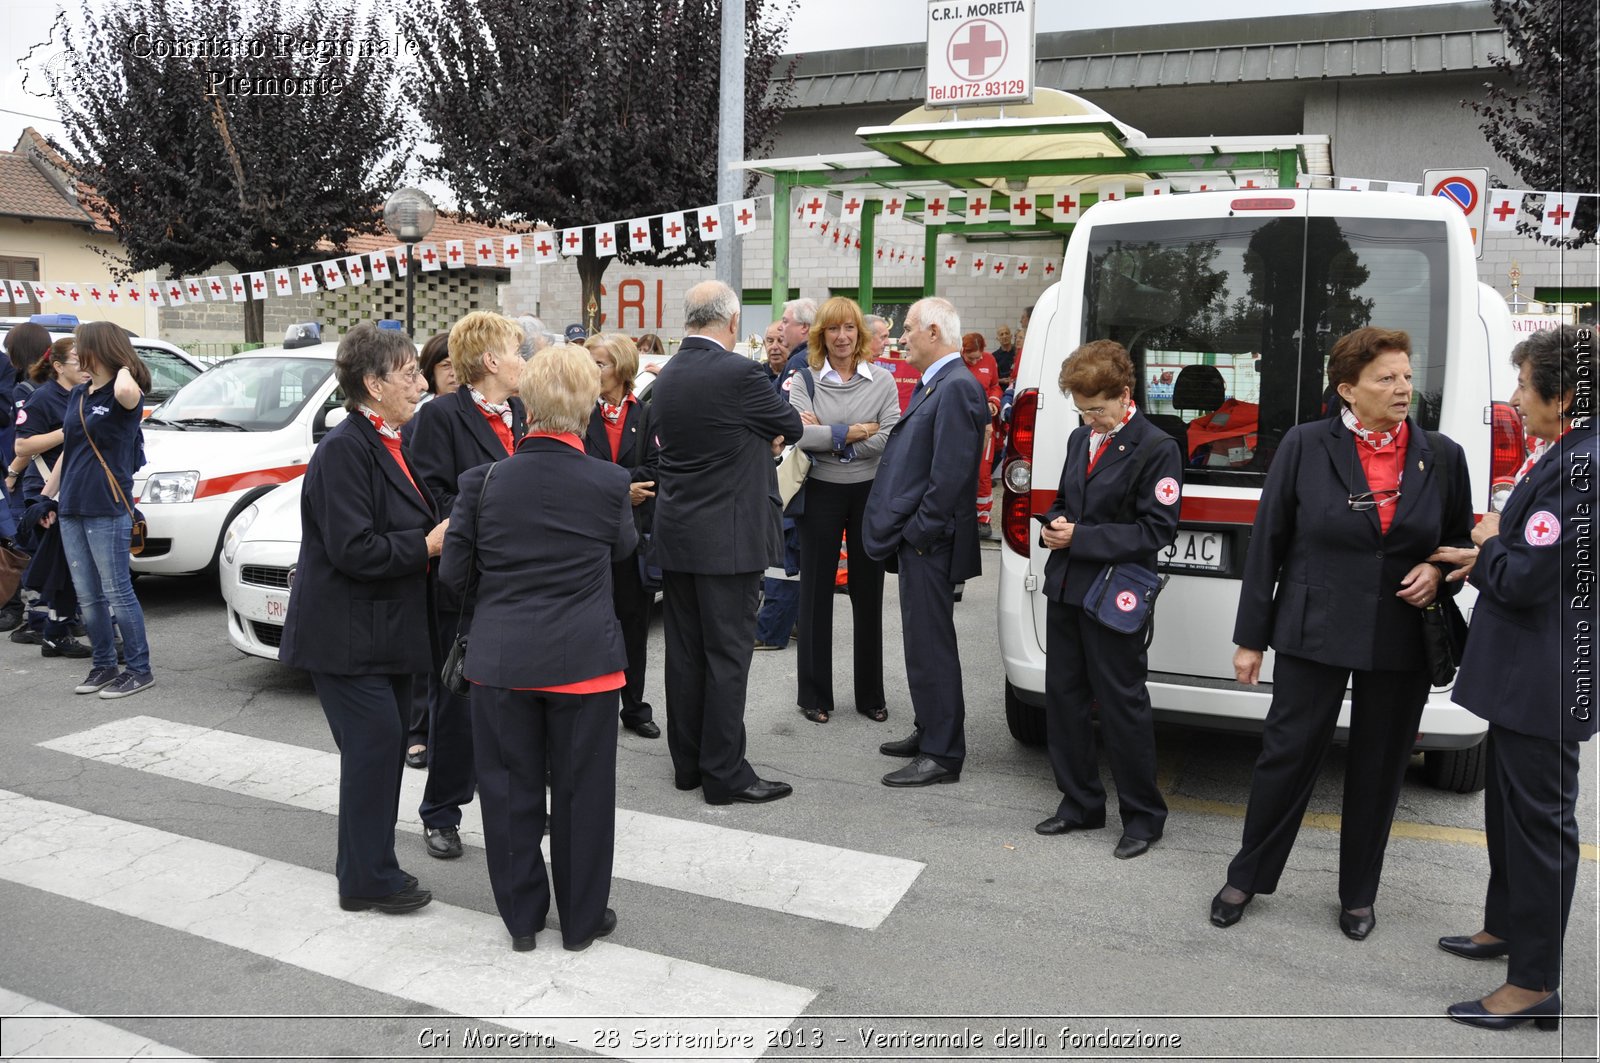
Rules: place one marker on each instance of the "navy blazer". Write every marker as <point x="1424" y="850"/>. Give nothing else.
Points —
<point x="361" y="600"/>
<point x="635" y="454"/>
<point x="554" y="521"/>
<point x="713" y="416"/>
<point x="925" y="493"/>
<point x="1530" y="656"/>
<point x="1094" y="505"/>
<point x="450" y="435"/>
<point x="1335" y="572"/>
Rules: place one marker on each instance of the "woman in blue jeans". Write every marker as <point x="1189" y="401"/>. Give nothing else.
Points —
<point x="102" y="446"/>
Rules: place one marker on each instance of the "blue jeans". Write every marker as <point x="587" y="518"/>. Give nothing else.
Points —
<point x="780" y="608"/>
<point x="97" y="551"/>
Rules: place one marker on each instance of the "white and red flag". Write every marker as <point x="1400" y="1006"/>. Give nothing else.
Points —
<point x="1000" y="265"/>
<point x="935" y="209"/>
<point x="744" y="216"/>
<point x="894" y="206"/>
<point x="428" y="257"/>
<point x="485" y="252"/>
<point x="19" y="291"/>
<point x="355" y="270"/>
<point x="950" y="263"/>
<point x="1022" y="269"/>
<point x="1158" y="188"/>
<point x="216" y="290"/>
<point x="977" y="208"/>
<point x="282" y="284"/>
<point x="511" y="250"/>
<point x="1067" y="206"/>
<point x="257" y="285"/>
<point x="980" y="265"/>
<point x="571" y="242"/>
<point x="545" y="247"/>
<point x="850" y="207"/>
<point x="332" y="277"/>
<point x="1558" y="211"/>
<point x="195" y="289"/>
<point x="41" y="293"/>
<point x="154" y="292"/>
<point x="673" y="233"/>
<point x="605" y="240"/>
<point x="1504" y="205"/>
<point x="380" y="265"/>
<point x="308" y="280"/>
<point x="710" y="224"/>
<point x="1111" y="191"/>
<point x="639" y="236"/>
<point x="402" y="260"/>
<point x="455" y="254"/>
<point x="237" y="287"/>
<point x="1023" y="208"/>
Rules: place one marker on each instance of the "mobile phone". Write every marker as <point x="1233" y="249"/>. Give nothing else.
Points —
<point x="1043" y="518"/>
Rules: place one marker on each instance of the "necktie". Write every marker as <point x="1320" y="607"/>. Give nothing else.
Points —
<point x="918" y="390"/>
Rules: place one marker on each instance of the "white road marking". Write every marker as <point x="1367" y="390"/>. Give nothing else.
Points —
<point x="36" y="1030"/>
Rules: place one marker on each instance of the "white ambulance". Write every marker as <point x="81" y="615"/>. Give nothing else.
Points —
<point x="1229" y="303"/>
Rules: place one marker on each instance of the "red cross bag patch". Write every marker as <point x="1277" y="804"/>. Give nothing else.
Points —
<point x="1167" y="491"/>
<point x="1127" y="601"/>
<point x="1542" y="529"/>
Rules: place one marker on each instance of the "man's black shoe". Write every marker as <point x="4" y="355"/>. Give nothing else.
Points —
<point x="923" y="771"/>
<point x="756" y="793"/>
<point x="442" y="842"/>
<point x="908" y="746"/>
<point x="608" y="923"/>
<point x="407" y="900"/>
<point x="647" y="729"/>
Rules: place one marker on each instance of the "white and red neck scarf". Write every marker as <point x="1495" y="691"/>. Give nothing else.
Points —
<point x="501" y="410"/>
<point x="612" y="411"/>
<point x="1096" y="440"/>
<point x="377" y="422"/>
<point x="1375" y="440"/>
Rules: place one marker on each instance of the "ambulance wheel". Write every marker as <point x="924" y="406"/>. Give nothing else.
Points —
<point x="1461" y="771"/>
<point x="1026" y="721"/>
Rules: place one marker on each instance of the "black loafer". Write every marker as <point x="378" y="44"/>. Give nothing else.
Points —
<point x="1224" y="913"/>
<point x="1466" y="948"/>
<point x="908" y="746"/>
<point x="407" y="900"/>
<point x="444" y="843"/>
<point x="647" y="729"/>
<point x="418" y="759"/>
<point x="1057" y="825"/>
<point x="1357" y="927"/>
<point x="1130" y="847"/>
<point x="923" y="771"/>
<point x="1546" y="1014"/>
<point x="756" y="793"/>
<point x="608" y="923"/>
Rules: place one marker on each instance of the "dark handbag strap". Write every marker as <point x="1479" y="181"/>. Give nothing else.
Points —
<point x="472" y="558"/>
<point x="115" y="487"/>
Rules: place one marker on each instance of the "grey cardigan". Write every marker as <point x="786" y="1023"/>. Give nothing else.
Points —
<point x="838" y="406"/>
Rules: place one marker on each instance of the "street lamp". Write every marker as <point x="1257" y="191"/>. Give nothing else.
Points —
<point x="409" y="214"/>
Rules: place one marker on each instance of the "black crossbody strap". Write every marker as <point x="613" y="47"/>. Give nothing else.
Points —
<point x="472" y="558"/>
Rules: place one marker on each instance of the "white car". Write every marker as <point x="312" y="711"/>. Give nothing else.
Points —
<point x="259" y="551"/>
<point x="244" y="427"/>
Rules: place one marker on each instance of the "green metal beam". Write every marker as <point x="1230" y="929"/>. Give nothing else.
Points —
<point x="781" y="184"/>
<point x="869" y="228"/>
<point x="950" y="172"/>
<point x="930" y="263"/>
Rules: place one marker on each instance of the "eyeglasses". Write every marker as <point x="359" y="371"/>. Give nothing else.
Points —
<point x="409" y="373"/>
<point x="1366" y="500"/>
<point x="70" y="363"/>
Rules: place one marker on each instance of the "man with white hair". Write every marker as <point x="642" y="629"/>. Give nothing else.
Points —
<point x="878" y="328"/>
<point x="716" y="423"/>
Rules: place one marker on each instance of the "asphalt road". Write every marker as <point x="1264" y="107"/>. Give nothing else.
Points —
<point x="979" y="938"/>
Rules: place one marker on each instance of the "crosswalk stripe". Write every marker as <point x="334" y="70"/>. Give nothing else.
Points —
<point x="463" y="964"/>
<point x="36" y="1030"/>
<point x="786" y="875"/>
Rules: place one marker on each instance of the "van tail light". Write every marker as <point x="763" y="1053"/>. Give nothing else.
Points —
<point x="1507" y="451"/>
<point x="1017" y="473"/>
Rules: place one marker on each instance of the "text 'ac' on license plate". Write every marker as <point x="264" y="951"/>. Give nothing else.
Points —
<point x="1206" y="550"/>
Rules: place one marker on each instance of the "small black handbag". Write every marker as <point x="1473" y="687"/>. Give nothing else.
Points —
<point x="1444" y="636"/>
<point x="453" y="674"/>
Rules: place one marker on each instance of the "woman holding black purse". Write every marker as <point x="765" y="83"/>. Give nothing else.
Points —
<point x="1117" y="505"/>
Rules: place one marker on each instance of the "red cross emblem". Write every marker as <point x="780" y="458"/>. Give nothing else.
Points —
<point x="1049" y="268"/>
<point x="113" y="295"/>
<point x="194" y="289"/>
<point x="950" y="263"/>
<point x="133" y="293"/>
<point x="259" y="285"/>
<point x="1560" y="214"/>
<point x="1023" y="269"/>
<point x="640" y="235"/>
<point x="513" y="249"/>
<point x="238" y="289"/>
<point x="880" y="254"/>
<point x="1503" y="209"/>
<point x="814" y="206"/>
<point x="403" y="259"/>
<point x="283" y="282"/>
<point x="544" y="248"/>
<point x="176" y="292"/>
<point x="745" y="216"/>
<point x="94" y="293"/>
<point x="977" y="263"/>
<point x="1023" y="206"/>
<point x="380" y="264"/>
<point x="893" y="206"/>
<point x="306" y="278"/>
<point x="455" y="252"/>
<point x="999" y="267"/>
<point x="486" y="250"/>
<point x="1542" y="529"/>
<point x="605" y="239"/>
<point x="825" y="228"/>
<point x="429" y="257"/>
<point x="1167" y="491"/>
<point x="976" y="49"/>
<point x="355" y="269"/>
<point x="61" y="291"/>
<point x="573" y="239"/>
<point x="852" y="206"/>
<point x="216" y="288"/>
<point x="1127" y="601"/>
<point x="977" y="205"/>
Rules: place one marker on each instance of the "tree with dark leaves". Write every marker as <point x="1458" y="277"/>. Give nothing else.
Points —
<point x="220" y="131"/>
<point x="580" y="112"/>
<point x="1544" y="123"/>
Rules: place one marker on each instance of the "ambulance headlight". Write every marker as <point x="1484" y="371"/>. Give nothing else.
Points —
<point x="236" y="530"/>
<point x="165" y="487"/>
<point x="1019" y="476"/>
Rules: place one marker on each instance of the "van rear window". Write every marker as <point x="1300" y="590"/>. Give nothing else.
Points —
<point x="1230" y="320"/>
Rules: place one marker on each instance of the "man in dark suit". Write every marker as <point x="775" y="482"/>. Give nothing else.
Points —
<point x="921" y="523"/>
<point x="716" y="423"/>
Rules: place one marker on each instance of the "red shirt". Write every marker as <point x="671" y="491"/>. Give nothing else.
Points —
<point x="987" y="373"/>
<point x="393" y="447"/>
<point x="498" y="426"/>
<point x="1383" y="466"/>
<point x="614" y="428"/>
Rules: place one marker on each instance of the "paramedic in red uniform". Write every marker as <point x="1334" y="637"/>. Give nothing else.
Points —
<point x="981" y="364"/>
<point x="1353" y="507"/>
<point x="1534" y="572"/>
<point x="1118" y="502"/>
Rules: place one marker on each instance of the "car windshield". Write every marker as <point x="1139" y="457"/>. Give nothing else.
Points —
<point x="256" y="394"/>
<point x="168" y="372"/>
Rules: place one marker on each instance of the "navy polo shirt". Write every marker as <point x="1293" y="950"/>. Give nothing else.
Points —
<point x="40" y="415"/>
<point x="85" y="490"/>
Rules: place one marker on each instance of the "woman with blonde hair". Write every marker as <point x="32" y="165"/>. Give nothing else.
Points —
<point x="847" y="405"/>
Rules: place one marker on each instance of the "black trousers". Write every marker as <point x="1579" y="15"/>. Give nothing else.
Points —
<point x="833" y="510"/>
<point x="367" y="715"/>
<point x="1530" y="817"/>
<point x="451" y="778"/>
<point x="933" y="661"/>
<point x="515" y="732"/>
<point x="421" y="707"/>
<point x="633" y="603"/>
<point x="710" y="626"/>
<point x="1087" y="662"/>
<point x="1384" y="712"/>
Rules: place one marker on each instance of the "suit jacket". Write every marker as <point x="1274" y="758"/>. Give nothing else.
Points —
<point x="635" y="455"/>
<point x="450" y="435"/>
<point x="1336" y="572"/>
<point x="1094" y="505"/>
<point x="554" y="520"/>
<point x="1533" y="625"/>
<point x="361" y="603"/>
<point x="926" y="490"/>
<point x="713" y="416"/>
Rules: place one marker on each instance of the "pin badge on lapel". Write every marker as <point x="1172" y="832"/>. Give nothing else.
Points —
<point x="1420" y="466"/>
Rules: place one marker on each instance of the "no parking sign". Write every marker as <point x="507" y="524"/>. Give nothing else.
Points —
<point x="1468" y="190"/>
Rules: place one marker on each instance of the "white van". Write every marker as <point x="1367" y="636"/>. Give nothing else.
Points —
<point x="1229" y="303"/>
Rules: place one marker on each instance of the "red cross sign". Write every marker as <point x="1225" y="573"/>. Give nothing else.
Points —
<point x="1560" y="214"/>
<point x="259" y="284"/>
<point x="355" y="269"/>
<point x="935" y="206"/>
<point x="573" y="239"/>
<point x="973" y="46"/>
<point x="1167" y="491"/>
<point x="283" y="282"/>
<point x="745" y="216"/>
<point x="216" y="288"/>
<point x="605" y="239"/>
<point x="429" y="257"/>
<point x="709" y="224"/>
<point x="455" y="253"/>
<point x="238" y="289"/>
<point x="674" y="229"/>
<point x="1503" y="209"/>
<point x="640" y="235"/>
<point x="380" y="264"/>
<point x="544" y="248"/>
<point x="194" y="290"/>
<point x="814" y="206"/>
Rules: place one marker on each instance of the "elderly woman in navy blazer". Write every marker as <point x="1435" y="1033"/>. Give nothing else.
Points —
<point x="617" y="433"/>
<point x="358" y="620"/>
<point x="1336" y="580"/>
<point x="553" y="521"/>
<point x="479" y="422"/>
<point x="1118" y="502"/>
<point x="1532" y="628"/>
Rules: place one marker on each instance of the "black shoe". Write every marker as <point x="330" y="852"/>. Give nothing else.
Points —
<point x="525" y="942"/>
<point x="443" y="843"/>
<point x="418" y="759"/>
<point x="608" y="923"/>
<point x="407" y="900"/>
<point x="1357" y="927"/>
<point x="1546" y="1014"/>
<point x="1224" y="913"/>
<point x="923" y="771"/>
<point x="647" y="729"/>
<point x="908" y="746"/>
<point x="1130" y="847"/>
<point x="756" y="793"/>
<point x="63" y="647"/>
<point x="1057" y="825"/>
<point x="1466" y="948"/>
<point x="24" y="635"/>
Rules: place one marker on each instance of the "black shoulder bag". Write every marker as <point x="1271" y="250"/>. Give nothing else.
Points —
<point x="453" y="674"/>
<point x="1123" y="596"/>
<point x="1444" y="629"/>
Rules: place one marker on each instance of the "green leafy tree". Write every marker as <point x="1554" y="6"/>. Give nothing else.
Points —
<point x="578" y="112"/>
<point x="1544" y="123"/>
<point x="194" y="169"/>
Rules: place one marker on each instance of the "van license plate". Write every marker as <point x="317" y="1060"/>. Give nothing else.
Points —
<point x="1206" y="550"/>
